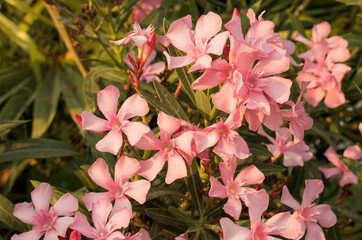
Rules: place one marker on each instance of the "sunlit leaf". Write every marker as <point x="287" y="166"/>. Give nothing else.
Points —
<point x="6" y="215"/>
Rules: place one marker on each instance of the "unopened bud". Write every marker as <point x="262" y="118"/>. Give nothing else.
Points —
<point x="148" y="47"/>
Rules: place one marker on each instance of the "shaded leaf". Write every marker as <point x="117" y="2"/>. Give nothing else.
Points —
<point x="6" y="125"/>
<point x="34" y="148"/>
<point x="216" y="209"/>
<point x="6" y="215"/>
<point x="351" y="2"/>
<point x="182" y="216"/>
<point x="203" y="104"/>
<point x="269" y="169"/>
<point x="354" y="166"/>
<point x="159" y="192"/>
<point x="194" y="185"/>
<point x="83" y="176"/>
<point x="163" y="216"/>
<point x="334" y="233"/>
<point x="296" y="24"/>
<point x="195" y="228"/>
<point x="258" y="149"/>
<point x="169" y="102"/>
<point x="353" y="39"/>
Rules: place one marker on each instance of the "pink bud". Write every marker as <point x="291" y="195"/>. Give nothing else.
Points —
<point x="75" y="235"/>
<point x="79" y="119"/>
<point x="148" y="47"/>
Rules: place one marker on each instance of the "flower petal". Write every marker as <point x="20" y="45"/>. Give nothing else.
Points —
<point x="285" y="225"/>
<point x="233" y="207"/>
<point x="288" y="200"/>
<point x="325" y="216"/>
<point x="176" y="167"/>
<point x="313" y="187"/>
<point x="29" y="235"/>
<point x="257" y="203"/>
<point x="137" y="190"/>
<point x="277" y="88"/>
<point x="234" y="26"/>
<point x="217" y="189"/>
<point x="61" y="225"/>
<point x="135" y="131"/>
<point x="93" y="123"/>
<point x="119" y="219"/>
<point x="168" y="125"/>
<point x="25" y="212"/>
<point x="125" y="168"/>
<point x="41" y="197"/>
<point x="100" y="212"/>
<point x="250" y="175"/>
<point x="231" y="231"/>
<point x="66" y="205"/>
<point x="314" y="232"/>
<point x="207" y="26"/>
<point x="99" y="173"/>
<point x="107" y="100"/>
<point x="93" y="197"/>
<point x="151" y="167"/>
<point x="133" y="106"/>
<point x="82" y="225"/>
<point x="202" y="62"/>
<point x="216" y="45"/>
<point x="111" y="143"/>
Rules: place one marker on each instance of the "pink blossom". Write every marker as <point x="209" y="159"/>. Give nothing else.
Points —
<point x="118" y="188"/>
<point x="137" y="36"/>
<point x="197" y="43"/>
<point x="321" y="67"/>
<point x="353" y="152"/>
<point x="116" y="123"/>
<point x="104" y="227"/>
<point x="168" y="149"/>
<point x="294" y="154"/>
<point x="227" y="141"/>
<point x="183" y="236"/>
<point x="144" y="7"/>
<point x="282" y="224"/>
<point x="141" y="235"/>
<point x="235" y="189"/>
<point x="348" y="177"/>
<point x="75" y="235"/>
<point x="308" y="213"/>
<point x="46" y="221"/>
<point x="149" y="71"/>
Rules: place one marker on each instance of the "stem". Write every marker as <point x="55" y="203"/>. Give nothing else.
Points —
<point x="131" y="147"/>
<point x="213" y="112"/>
<point x="178" y="89"/>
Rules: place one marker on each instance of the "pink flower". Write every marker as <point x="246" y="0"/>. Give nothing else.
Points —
<point x="353" y="152"/>
<point x="141" y="235"/>
<point x="143" y="7"/>
<point x="348" y="177"/>
<point x="321" y="67"/>
<point x="227" y="141"/>
<point x="137" y="36"/>
<point x="46" y="221"/>
<point x="308" y="214"/>
<point x="125" y="168"/>
<point x="282" y="224"/>
<point x="294" y="154"/>
<point x="149" y="71"/>
<point x="235" y="189"/>
<point x="105" y="228"/>
<point x="116" y="123"/>
<point x="183" y="236"/>
<point x="196" y="44"/>
<point x="169" y="148"/>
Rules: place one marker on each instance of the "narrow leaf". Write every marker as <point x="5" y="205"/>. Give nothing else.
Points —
<point x="258" y="149"/>
<point x="182" y="216"/>
<point x="6" y="125"/>
<point x="34" y="148"/>
<point x="296" y="24"/>
<point x="170" y="102"/>
<point x="194" y="185"/>
<point x="203" y="104"/>
<point x="163" y="216"/>
<point x="6" y="215"/>
<point x="159" y="192"/>
<point x="334" y="233"/>
<point x="194" y="10"/>
<point x="269" y="169"/>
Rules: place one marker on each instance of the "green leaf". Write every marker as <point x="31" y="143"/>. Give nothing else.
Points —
<point x="163" y="216"/>
<point x="216" y="209"/>
<point x="6" y="125"/>
<point x="85" y="179"/>
<point x="334" y="233"/>
<point x="351" y="2"/>
<point x="185" y="77"/>
<point x="296" y="24"/>
<point x="194" y="185"/>
<point x="159" y="192"/>
<point x="353" y="39"/>
<point x="182" y="216"/>
<point x="269" y="169"/>
<point x="92" y="139"/>
<point x="6" y="215"/>
<point x="170" y="103"/>
<point x="46" y="103"/>
<point x="354" y="166"/>
<point x="195" y="228"/>
<point x="203" y="104"/>
<point x="34" y="148"/>
<point x="194" y="10"/>
<point x="258" y="149"/>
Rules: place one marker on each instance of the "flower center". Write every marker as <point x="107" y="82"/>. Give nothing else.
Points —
<point x="168" y="147"/>
<point x="118" y="192"/>
<point x="116" y="125"/>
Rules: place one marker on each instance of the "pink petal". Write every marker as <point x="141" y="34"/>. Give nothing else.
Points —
<point x="99" y="173"/>
<point x="224" y="149"/>
<point x="299" y="37"/>
<point x="314" y="232"/>
<point x="231" y="231"/>
<point x="151" y="167"/>
<point x="157" y="68"/>
<point x="61" y="225"/>
<point x="277" y="88"/>
<point x="216" y="45"/>
<point x="254" y="118"/>
<point x="133" y="106"/>
<point x="148" y="141"/>
<point x="176" y="168"/>
<point x="320" y="31"/>
<point x="250" y="175"/>
<point x="331" y="154"/>
<point x="258" y="101"/>
<point x="119" y="219"/>
<point x="125" y="168"/>
<point x="30" y="235"/>
<point x="66" y="205"/>
<point x="259" y="32"/>
<point x="314" y="96"/>
<point x="240" y="147"/>
<point x="225" y="99"/>
<point x="93" y="197"/>
<point x="137" y="190"/>
<point x="100" y="212"/>
<point x="111" y="143"/>
<point x="41" y="197"/>
<point x="107" y="100"/>
<point x="312" y="190"/>
<point x="93" y="123"/>
<point x="217" y="189"/>
<point x="177" y="62"/>
<point x="334" y="98"/>
<point x="330" y="172"/>
<point x="51" y="234"/>
<point x="168" y="125"/>
<point x="185" y="143"/>
<point x="292" y="159"/>
<point x="233" y="207"/>
<point x="234" y="26"/>
<point x="353" y="152"/>
<point x="135" y="131"/>
<point x="202" y="62"/>
<point x="121" y="203"/>
<point x="288" y="200"/>
<point x="284" y="225"/>
<point x="338" y="54"/>
<point x="208" y="79"/>
<point x="206" y="138"/>
<point x="207" y="26"/>
<point x="348" y="178"/>
<point x="116" y="236"/>
<point x="227" y="170"/>
<point x="179" y="34"/>
<point x="257" y="203"/>
<point x="274" y="120"/>
<point x="82" y="225"/>
<point x="25" y="212"/>
<point x="326" y="218"/>
<point x="275" y="63"/>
